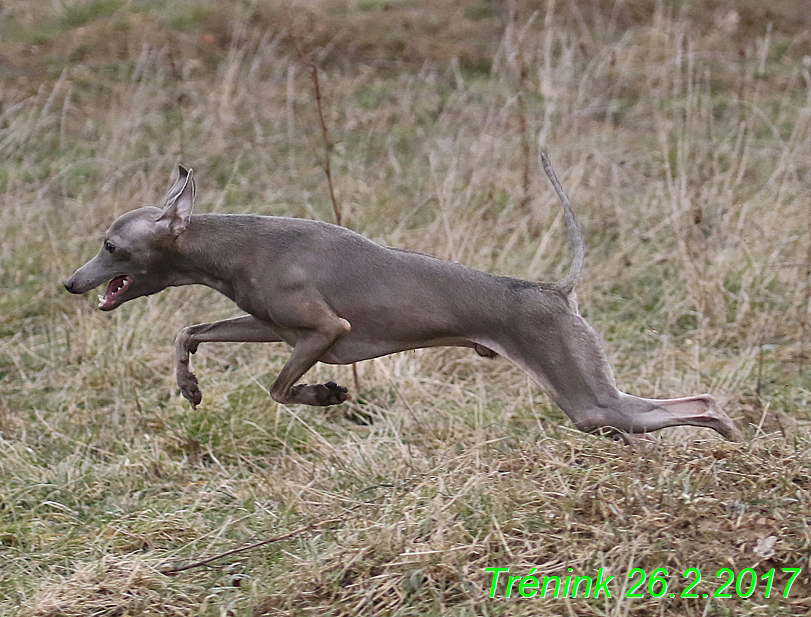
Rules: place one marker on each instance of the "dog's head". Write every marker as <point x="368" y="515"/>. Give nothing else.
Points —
<point x="134" y="256"/>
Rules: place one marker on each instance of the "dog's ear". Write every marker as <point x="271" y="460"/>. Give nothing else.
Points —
<point x="177" y="186"/>
<point x="179" y="203"/>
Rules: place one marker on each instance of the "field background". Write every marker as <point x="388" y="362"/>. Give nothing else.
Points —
<point x="682" y="131"/>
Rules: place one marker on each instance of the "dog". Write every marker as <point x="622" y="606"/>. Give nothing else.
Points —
<point x="336" y="297"/>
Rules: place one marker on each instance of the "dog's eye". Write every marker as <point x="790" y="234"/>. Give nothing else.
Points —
<point x="109" y="247"/>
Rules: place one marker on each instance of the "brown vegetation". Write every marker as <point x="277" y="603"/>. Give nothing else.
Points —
<point x="683" y="134"/>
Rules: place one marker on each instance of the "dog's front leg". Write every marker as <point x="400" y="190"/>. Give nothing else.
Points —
<point x="245" y="329"/>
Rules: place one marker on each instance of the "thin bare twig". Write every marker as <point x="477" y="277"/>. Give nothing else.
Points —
<point x="235" y="551"/>
<point x="355" y="376"/>
<point x="308" y="61"/>
<point x="522" y="123"/>
<point x="523" y="126"/>
<point x="328" y="145"/>
<point x="805" y="308"/>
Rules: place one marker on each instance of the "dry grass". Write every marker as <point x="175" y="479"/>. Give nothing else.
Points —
<point x="684" y="138"/>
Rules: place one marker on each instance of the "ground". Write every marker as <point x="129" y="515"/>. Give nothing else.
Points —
<point x="682" y="131"/>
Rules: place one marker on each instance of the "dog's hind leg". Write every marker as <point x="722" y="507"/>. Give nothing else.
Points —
<point x="323" y="329"/>
<point x="562" y="352"/>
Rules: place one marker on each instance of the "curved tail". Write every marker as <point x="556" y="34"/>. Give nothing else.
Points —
<point x="567" y="283"/>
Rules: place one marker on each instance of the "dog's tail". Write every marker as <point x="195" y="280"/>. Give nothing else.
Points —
<point x="567" y="283"/>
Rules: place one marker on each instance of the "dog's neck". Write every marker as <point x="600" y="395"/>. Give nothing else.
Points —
<point x="208" y="253"/>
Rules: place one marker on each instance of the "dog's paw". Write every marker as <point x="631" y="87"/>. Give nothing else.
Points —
<point x="318" y="395"/>
<point x="332" y="393"/>
<point x="187" y="382"/>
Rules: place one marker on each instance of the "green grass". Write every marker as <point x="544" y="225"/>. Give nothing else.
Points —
<point x="80" y="13"/>
<point x="685" y="147"/>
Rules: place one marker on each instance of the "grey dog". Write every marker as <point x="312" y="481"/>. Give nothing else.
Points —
<point x="337" y="297"/>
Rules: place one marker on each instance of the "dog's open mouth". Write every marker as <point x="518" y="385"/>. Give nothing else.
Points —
<point x="115" y="288"/>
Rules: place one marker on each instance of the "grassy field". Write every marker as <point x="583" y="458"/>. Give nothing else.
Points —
<point x="682" y="132"/>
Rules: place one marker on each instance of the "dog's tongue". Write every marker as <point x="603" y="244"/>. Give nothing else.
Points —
<point x="114" y="288"/>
